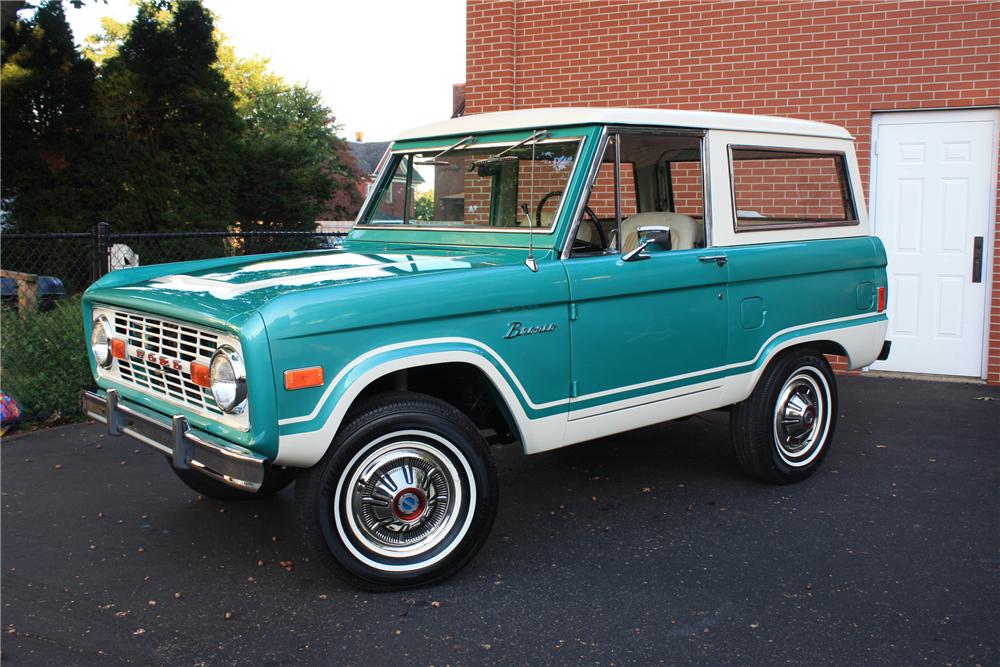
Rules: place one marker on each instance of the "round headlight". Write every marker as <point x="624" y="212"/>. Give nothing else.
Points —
<point x="228" y="379"/>
<point x="100" y="341"/>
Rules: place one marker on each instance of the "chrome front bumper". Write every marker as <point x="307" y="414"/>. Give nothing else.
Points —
<point x="187" y="448"/>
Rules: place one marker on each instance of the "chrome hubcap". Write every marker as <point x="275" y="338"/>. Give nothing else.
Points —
<point x="402" y="499"/>
<point x="800" y="417"/>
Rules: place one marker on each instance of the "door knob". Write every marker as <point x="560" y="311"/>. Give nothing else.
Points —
<point x="718" y="259"/>
<point x="977" y="259"/>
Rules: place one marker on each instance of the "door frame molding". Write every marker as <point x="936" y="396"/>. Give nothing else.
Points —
<point x="950" y="115"/>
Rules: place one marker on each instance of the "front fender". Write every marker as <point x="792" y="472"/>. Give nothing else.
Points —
<point x="303" y="440"/>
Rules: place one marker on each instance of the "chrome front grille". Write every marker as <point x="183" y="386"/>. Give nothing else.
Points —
<point x="168" y="340"/>
<point x="158" y="355"/>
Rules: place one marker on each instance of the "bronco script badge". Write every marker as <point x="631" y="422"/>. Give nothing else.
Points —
<point x="515" y="329"/>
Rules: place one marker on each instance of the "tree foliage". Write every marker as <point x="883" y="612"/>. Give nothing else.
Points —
<point x="159" y="125"/>
<point x="171" y="126"/>
<point x="295" y="166"/>
<point x="45" y="112"/>
<point x="423" y="206"/>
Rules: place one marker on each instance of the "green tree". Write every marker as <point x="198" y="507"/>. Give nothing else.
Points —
<point x="172" y="140"/>
<point x="104" y="45"/>
<point x="45" y="111"/>
<point x="170" y="131"/>
<point x="423" y="206"/>
<point x="295" y="166"/>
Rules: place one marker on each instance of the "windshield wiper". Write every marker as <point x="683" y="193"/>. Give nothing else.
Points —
<point x="536" y="136"/>
<point x="434" y="160"/>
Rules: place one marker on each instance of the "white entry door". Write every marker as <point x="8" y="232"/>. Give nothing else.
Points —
<point x="933" y="193"/>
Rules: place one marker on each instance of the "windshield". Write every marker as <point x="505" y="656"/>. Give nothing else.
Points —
<point x="512" y="186"/>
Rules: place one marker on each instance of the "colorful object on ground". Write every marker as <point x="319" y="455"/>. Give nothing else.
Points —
<point x="10" y="411"/>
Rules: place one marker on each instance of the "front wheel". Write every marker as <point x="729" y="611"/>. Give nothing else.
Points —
<point x="406" y="495"/>
<point x="782" y="432"/>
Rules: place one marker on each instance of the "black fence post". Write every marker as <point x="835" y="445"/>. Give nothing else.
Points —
<point x="101" y="250"/>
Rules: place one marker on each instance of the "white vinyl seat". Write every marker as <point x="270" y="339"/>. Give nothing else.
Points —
<point x="587" y="233"/>
<point x="684" y="230"/>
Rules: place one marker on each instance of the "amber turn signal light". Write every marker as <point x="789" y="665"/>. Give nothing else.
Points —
<point x="118" y="348"/>
<point x="881" y="299"/>
<point x="200" y="375"/>
<point x="301" y="378"/>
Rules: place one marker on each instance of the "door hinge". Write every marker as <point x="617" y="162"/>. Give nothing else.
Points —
<point x="573" y="389"/>
<point x="573" y="312"/>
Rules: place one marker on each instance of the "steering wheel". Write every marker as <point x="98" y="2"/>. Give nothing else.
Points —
<point x="588" y="213"/>
<point x="541" y="205"/>
<point x="591" y="217"/>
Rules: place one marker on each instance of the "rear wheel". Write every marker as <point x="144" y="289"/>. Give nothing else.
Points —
<point x="782" y="433"/>
<point x="275" y="479"/>
<point x="406" y="495"/>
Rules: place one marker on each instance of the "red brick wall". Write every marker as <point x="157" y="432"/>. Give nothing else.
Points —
<point x="602" y="195"/>
<point x="688" y="190"/>
<point x="796" y="188"/>
<point x="830" y="61"/>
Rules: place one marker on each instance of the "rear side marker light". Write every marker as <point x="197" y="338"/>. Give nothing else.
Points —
<point x="302" y="378"/>
<point x="200" y="375"/>
<point x="118" y="348"/>
<point x="881" y="299"/>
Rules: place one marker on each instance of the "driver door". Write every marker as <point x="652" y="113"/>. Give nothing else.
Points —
<point x="648" y="336"/>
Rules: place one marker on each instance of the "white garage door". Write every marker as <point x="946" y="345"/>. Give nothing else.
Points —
<point x="933" y="175"/>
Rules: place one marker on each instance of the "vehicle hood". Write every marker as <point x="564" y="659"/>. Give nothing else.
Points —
<point x="222" y="290"/>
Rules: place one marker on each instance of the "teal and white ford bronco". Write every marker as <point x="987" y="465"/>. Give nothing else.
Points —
<point x="583" y="272"/>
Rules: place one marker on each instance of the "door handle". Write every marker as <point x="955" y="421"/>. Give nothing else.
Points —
<point x="718" y="259"/>
<point x="977" y="259"/>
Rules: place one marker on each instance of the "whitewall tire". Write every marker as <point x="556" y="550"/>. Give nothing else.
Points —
<point x="782" y="433"/>
<point x="406" y="495"/>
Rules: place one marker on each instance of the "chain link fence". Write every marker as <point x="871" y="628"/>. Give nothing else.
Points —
<point x="43" y="356"/>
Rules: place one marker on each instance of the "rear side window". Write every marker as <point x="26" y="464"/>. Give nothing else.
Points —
<point x="775" y="189"/>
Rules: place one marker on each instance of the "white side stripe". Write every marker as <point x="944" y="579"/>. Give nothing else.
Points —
<point x="524" y="394"/>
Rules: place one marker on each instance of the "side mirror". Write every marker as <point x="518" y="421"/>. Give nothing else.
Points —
<point x="647" y="235"/>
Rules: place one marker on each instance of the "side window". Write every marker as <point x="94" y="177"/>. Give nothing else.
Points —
<point x="775" y="188"/>
<point x="660" y="183"/>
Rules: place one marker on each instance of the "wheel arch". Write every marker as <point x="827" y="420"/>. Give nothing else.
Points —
<point x="494" y="401"/>
<point x="462" y="384"/>
<point x="828" y="348"/>
<point x="857" y="343"/>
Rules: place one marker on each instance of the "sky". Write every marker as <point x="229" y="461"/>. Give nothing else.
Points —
<point x="382" y="66"/>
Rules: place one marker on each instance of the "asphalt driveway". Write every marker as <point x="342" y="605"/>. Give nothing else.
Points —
<point x="645" y="548"/>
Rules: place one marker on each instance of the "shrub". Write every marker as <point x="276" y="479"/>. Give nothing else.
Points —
<point x="43" y="358"/>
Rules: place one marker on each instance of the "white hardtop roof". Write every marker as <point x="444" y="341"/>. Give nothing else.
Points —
<point x="557" y="117"/>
